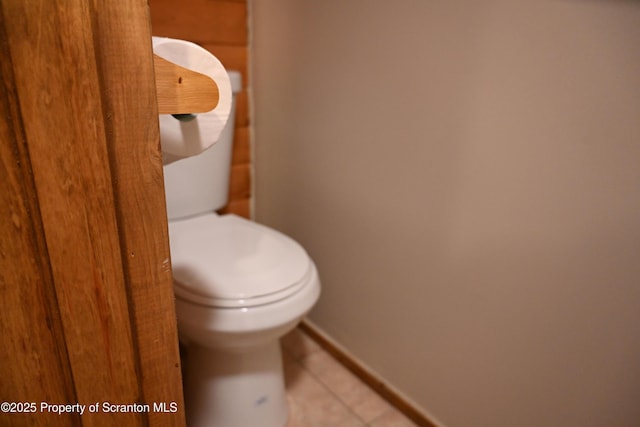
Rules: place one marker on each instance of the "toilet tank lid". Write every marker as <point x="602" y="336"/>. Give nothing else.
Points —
<point x="236" y="80"/>
<point x="230" y="258"/>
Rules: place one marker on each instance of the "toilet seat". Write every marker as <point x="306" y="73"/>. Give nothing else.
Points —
<point x="229" y="262"/>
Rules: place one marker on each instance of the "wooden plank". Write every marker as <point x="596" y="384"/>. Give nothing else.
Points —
<point x="241" y="207"/>
<point x="56" y="80"/>
<point x="201" y="21"/>
<point x="242" y="109"/>
<point x="91" y="141"/>
<point x="233" y="57"/>
<point x="241" y="149"/>
<point x="134" y="144"/>
<point x="240" y="179"/>
<point x="34" y="366"/>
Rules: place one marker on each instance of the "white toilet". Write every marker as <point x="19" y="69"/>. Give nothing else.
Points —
<point x="239" y="287"/>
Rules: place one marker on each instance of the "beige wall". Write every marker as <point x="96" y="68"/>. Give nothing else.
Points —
<point x="467" y="177"/>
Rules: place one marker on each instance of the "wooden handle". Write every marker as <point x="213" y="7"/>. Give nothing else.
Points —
<point x="183" y="91"/>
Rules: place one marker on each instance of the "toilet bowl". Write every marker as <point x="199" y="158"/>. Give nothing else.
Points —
<point x="232" y="310"/>
<point x="239" y="287"/>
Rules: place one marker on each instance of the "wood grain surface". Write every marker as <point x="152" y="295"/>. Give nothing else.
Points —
<point x="88" y="311"/>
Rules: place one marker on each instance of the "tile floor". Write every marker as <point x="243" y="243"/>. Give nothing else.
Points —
<point x="323" y="393"/>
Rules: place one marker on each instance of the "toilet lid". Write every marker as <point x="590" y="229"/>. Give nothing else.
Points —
<point x="228" y="261"/>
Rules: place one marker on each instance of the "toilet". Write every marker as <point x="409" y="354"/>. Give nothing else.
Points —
<point x="239" y="286"/>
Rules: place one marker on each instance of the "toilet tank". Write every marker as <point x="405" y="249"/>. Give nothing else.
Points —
<point x="200" y="183"/>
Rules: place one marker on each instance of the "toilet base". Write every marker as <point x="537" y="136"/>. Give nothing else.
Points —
<point x="243" y="388"/>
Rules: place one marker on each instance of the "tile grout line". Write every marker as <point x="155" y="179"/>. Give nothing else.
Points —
<point x="302" y="347"/>
<point x="323" y="385"/>
<point x="319" y="349"/>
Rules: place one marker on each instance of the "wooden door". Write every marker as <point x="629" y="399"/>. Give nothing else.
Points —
<point x="87" y="313"/>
